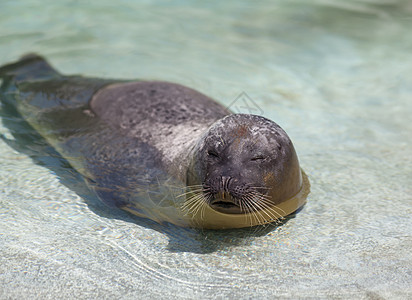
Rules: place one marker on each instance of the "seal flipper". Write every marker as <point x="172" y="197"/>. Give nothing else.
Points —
<point x="33" y="82"/>
<point x="30" y="66"/>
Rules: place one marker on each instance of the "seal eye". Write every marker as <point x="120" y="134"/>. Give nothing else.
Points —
<point x="258" y="158"/>
<point x="212" y="153"/>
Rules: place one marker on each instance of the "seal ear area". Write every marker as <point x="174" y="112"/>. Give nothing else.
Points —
<point x="213" y="155"/>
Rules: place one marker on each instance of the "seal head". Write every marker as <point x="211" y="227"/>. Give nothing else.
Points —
<point x="244" y="164"/>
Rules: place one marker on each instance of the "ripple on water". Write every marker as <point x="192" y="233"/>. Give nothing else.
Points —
<point x="336" y="77"/>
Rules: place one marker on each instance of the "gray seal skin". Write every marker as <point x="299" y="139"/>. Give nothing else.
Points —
<point x="159" y="150"/>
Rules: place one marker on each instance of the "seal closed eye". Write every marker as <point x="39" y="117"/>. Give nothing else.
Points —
<point x="161" y="150"/>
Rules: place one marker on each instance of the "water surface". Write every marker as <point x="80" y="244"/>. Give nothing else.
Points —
<point x="335" y="75"/>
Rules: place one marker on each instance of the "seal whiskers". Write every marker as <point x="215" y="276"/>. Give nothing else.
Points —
<point x="197" y="200"/>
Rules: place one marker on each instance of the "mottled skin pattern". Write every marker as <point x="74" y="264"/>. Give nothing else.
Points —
<point x="133" y="140"/>
<point x="167" y="116"/>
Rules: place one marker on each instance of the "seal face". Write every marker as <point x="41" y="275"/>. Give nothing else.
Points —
<point x="245" y="163"/>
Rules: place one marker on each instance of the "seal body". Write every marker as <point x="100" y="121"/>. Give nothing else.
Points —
<point x="160" y="150"/>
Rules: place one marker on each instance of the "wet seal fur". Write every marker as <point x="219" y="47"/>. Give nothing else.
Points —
<point x="161" y="150"/>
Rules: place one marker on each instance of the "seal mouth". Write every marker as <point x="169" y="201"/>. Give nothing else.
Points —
<point x="225" y="203"/>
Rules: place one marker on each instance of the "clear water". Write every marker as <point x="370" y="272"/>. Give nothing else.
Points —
<point x="336" y="75"/>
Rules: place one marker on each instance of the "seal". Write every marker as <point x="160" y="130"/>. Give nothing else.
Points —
<point x="161" y="150"/>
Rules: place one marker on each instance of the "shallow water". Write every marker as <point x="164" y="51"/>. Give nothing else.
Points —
<point x="335" y="75"/>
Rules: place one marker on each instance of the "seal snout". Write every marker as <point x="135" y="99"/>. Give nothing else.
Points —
<point x="225" y="194"/>
<point x="221" y="184"/>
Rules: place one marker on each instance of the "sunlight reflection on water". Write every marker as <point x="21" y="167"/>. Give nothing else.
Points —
<point x="335" y="75"/>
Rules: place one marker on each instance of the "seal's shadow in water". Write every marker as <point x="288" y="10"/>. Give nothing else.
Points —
<point x="27" y="141"/>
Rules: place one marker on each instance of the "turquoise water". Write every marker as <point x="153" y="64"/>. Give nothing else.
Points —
<point x="336" y="75"/>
